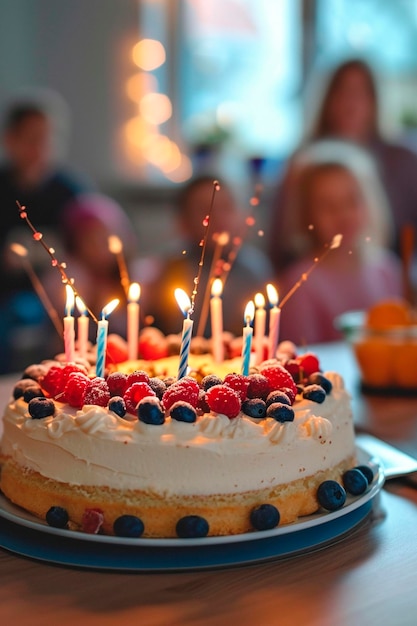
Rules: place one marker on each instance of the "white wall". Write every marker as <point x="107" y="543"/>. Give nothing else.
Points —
<point x="81" y="48"/>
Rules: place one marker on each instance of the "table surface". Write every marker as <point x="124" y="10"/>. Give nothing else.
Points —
<point x="368" y="578"/>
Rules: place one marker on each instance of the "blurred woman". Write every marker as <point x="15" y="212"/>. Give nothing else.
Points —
<point x="349" y="111"/>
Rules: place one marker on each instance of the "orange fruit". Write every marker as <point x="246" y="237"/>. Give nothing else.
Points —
<point x="389" y="314"/>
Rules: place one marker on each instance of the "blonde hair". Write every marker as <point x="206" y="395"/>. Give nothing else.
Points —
<point x="349" y="157"/>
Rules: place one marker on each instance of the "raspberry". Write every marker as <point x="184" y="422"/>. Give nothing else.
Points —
<point x="92" y="520"/>
<point x="223" y="399"/>
<point x="186" y="391"/>
<point x="137" y="377"/>
<point x="294" y="368"/>
<point x="238" y="383"/>
<point x="75" y="389"/>
<point x="134" y="394"/>
<point x="70" y="368"/>
<point x="190" y="383"/>
<point x="158" y="386"/>
<point x="52" y="381"/>
<point x="258" y="386"/>
<point x="309" y="363"/>
<point x="117" y="382"/>
<point x="289" y="392"/>
<point x="278" y="377"/>
<point x="97" y="392"/>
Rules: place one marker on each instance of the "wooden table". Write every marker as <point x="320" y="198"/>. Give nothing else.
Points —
<point x="367" y="579"/>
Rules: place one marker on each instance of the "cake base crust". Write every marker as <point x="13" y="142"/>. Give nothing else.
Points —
<point x="227" y="514"/>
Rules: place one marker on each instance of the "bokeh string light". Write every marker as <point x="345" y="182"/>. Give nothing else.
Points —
<point x="37" y="236"/>
<point x="203" y="244"/>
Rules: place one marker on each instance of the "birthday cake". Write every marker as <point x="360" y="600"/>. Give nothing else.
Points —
<point x="213" y="453"/>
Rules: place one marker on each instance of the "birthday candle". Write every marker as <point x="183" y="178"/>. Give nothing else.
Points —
<point x="102" y="330"/>
<point x="187" y="330"/>
<point x="133" y="321"/>
<point x="82" y="327"/>
<point x="260" y="323"/>
<point x="216" y="314"/>
<point x="274" y="321"/>
<point x="247" y="337"/>
<point x="69" y="331"/>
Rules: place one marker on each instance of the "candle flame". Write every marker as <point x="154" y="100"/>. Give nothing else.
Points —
<point x="115" y="245"/>
<point x="109" y="308"/>
<point x="272" y="294"/>
<point x="18" y="249"/>
<point x="82" y="309"/>
<point x="249" y="312"/>
<point x="217" y="287"/>
<point x="336" y="241"/>
<point x="183" y="300"/>
<point x="69" y="306"/>
<point x="134" y="292"/>
<point x="259" y="301"/>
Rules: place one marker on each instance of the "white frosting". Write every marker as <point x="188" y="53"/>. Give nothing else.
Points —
<point x="214" y="455"/>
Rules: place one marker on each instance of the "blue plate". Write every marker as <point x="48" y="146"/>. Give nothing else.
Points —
<point x="26" y="535"/>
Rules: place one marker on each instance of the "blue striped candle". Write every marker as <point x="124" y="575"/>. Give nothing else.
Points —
<point x="102" y="329"/>
<point x="247" y="337"/>
<point x="187" y="330"/>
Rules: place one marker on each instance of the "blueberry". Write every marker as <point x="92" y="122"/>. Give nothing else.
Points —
<point x="192" y="526"/>
<point x="315" y="393"/>
<point x="367" y="472"/>
<point x="33" y="391"/>
<point x="319" y="379"/>
<point x="57" y="517"/>
<point x="150" y="411"/>
<point x="278" y="396"/>
<point x="331" y="495"/>
<point x="300" y="388"/>
<point x="280" y="412"/>
<point x="210" y="381"/>
<point x="41" y="407"/>
<point x="254" y="407"/>
<point x="128" y="526"/>
<point x="21" y="386"/>
<point x="35" y="372"/>
<point x="265" y="517"/>
<point x="117" y="405"/>
<point x="183" y="412"/>
<point x="355" y="482"/>
<point x="158" y="386"/>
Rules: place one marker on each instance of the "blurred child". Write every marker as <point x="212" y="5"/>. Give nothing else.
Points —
<point x="250" y="270"/>
<point x="88" y="221"/>
<point x="336" y="190"/>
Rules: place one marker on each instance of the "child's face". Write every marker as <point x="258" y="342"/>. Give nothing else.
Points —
<point x="337" y="206"/>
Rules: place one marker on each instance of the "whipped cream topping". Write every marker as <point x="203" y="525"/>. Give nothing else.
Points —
<point x="214" y="455"/>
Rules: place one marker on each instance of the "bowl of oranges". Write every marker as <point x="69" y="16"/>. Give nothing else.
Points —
<point x="384" y="341"/>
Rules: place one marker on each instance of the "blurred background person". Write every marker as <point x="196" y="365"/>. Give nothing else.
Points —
<point x="33" y="142"/>
<point x="249" y="272"/>
<point x="336" y="190"/>
<point x="349" y="111"/>
<point x="88" y="222"/>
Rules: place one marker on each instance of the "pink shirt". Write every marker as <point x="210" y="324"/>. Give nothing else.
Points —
<point x="308" y="316"/>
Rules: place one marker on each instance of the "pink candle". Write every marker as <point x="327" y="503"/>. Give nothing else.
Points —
<point x="133" y="321"/>
<point x="82" y="328"/>
<point x="216" y="315"/>
<point x="69" y="330"/>
<point x="274" y="320"/>
<point x="260" y="324"/>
